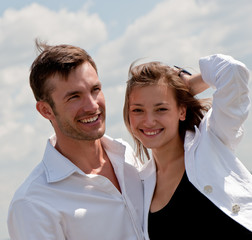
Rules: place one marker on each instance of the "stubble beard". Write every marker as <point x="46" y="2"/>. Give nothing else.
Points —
<point x="73" y="132"/>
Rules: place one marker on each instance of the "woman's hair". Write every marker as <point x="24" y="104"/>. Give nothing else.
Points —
<point x="154" y="73"/>
<point x="61" y="59"/>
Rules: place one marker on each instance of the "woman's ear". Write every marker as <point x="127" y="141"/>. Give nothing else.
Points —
<point x="182" y="113"/>
<point x="45" y="110"/>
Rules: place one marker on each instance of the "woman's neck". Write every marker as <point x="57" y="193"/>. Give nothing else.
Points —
<point x="169" y="154"/>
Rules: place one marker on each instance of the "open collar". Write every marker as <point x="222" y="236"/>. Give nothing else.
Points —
<point x="58" y="167"/>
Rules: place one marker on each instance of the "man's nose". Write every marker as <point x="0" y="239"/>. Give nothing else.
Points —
<point x="90" y="104"/>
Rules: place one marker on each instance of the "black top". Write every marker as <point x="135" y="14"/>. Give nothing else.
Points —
<point x="192" y="215"/>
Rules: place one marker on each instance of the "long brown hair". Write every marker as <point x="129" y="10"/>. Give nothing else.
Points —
<point x="153" y="73"/>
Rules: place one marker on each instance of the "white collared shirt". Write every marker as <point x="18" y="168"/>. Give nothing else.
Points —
<point x="59" y="201"/>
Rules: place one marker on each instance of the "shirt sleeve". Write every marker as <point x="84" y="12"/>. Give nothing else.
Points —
<point x="231" y="102"/>
<point x="29" y="220"/>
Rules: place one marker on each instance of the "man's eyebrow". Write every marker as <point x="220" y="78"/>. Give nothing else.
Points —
<point x="97" y="85"/>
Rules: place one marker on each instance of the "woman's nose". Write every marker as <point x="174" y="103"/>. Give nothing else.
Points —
<point x="149" y="120"/>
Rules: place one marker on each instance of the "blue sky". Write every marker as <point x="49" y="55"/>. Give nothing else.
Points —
<point x="115" y="33"/>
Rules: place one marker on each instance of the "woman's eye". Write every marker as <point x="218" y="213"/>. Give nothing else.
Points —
<point x="137" y="110"/>
<point x="162" y="109"/>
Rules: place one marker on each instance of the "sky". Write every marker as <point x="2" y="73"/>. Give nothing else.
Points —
<point x="115" y="33"/>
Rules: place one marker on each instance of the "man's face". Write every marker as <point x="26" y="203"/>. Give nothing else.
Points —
<point x="79" y="105"/>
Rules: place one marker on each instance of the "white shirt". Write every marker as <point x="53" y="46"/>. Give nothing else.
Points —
<point x="210" y="162"/>
<point x="59" y="201"/>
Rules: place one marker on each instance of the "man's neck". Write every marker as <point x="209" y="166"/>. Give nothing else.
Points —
<point x="87" y="155"/>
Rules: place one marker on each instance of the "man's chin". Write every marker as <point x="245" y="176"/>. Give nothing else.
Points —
<point x="95" y="136"/>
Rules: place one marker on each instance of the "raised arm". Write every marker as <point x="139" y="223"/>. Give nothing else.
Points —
<point x="230" y="100"/>
<point x="195" y="83"/>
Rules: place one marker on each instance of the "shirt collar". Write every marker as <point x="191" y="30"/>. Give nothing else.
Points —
<point x="117" y="147"/>
<point x="148" y="169"/>
<point x="58" y="167"/>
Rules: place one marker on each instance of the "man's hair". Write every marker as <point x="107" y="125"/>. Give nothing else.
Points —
<point x="59" y="59"/>
<point x="154" y="73"/>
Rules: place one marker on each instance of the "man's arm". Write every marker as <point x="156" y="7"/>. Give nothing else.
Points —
<point x="28" y="220"/>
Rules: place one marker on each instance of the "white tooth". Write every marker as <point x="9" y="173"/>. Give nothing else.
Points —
<point x="89" y="119"/>
<point x="151" y="133"/>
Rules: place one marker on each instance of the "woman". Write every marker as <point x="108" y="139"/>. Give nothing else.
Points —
<point x="193" y="183"/>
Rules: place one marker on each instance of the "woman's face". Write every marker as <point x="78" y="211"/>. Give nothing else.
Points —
<point x="154" y="116"/>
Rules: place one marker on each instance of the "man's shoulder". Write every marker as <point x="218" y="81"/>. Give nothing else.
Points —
<point x="32" y="182"/>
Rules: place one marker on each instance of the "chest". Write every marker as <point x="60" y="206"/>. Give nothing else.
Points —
<point x="166" y="186"/>
<point x="84" y="205"/>
<point x="195" y="214"/>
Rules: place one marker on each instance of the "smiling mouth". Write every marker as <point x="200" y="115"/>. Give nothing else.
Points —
<point x="90" y="120"/>
<point x="152" y="132"/>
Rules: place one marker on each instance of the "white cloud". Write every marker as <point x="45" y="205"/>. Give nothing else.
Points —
<point x="19" y="28"/>
<point x="179" y="32"/>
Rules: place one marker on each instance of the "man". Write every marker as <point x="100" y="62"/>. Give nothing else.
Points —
<point x="86" y="186"/>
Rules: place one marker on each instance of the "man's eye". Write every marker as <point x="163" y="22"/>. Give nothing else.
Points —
<point x="73" y="97"/>
<point x="96" y="89"/>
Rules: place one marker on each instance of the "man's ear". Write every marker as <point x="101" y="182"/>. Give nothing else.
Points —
<point x="45" y="110"/>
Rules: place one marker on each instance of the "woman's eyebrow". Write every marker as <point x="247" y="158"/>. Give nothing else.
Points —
<point x="156" y="105"/>
<point x="136" y="104"/>
<point x="162" y="103"/>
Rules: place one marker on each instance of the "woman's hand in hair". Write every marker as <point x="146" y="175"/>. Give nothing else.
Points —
<point x="194" y="83"/>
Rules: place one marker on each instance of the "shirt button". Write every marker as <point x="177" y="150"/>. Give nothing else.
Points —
<point x="235" y="208"/>
<point x="208" y="189"/>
